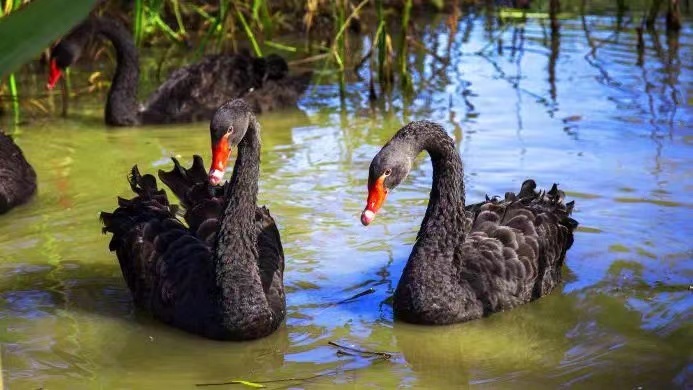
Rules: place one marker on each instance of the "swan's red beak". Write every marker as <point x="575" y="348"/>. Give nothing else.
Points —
<point x="220" y="155"/>
<point x="54" y="74"/>
<point x="376" y="197"/>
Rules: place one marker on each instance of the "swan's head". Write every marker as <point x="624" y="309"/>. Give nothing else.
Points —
<point x="388" y="169"/>
<point x="62" y="56"/>
<point x="227" y="128"/>
<point x="276" y="67"/>
<point x="67" y="52"/>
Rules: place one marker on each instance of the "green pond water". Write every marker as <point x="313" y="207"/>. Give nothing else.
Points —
<point x="580" y="110"/>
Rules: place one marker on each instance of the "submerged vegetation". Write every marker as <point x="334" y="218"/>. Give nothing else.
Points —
<point x="342" y="38"/>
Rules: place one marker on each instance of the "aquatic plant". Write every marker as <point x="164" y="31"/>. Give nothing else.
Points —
<point x="38" y="23"/>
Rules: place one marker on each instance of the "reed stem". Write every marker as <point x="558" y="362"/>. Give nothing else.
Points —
<point x="249" y="33"/>
<point x="340" y="53"/>
<point x="14" y="95"/>
<point x="403" y="48"/>
<point x="139" y="20"/>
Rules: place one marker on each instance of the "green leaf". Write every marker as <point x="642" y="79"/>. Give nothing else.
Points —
<point x="249" y="33"/>
<point x="280" y="46"/>
<point x="439" y="4"/>
<point x="27" y="31"/>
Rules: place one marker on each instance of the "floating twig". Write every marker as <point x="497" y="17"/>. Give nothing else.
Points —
<point x="234" y="382"/>
<point x="306" y="60"/>
<point x="493" y="40"/>
<point x="420" y="45"/>
<point x="368" y="291"/>
<point x="363" y="60"/>
<point x="383" y="355"/>
<point x="261" y="384"/>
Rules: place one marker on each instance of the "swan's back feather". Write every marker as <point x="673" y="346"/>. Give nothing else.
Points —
<point x="277" y="94"/>
<point x="167" y="269"/>
<point x="512" y="253"/>
<point x="17" y="177"/>
<point x="516" y="246"/>
<point x="194" y="92"/>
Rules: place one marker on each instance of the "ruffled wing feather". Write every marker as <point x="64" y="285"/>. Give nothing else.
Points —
<point x="516" y="246"/>
<point x="167" y="269"/>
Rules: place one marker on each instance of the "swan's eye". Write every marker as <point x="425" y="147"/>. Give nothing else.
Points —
<point x="388" y="172"/>
<point x="229" y="130"/>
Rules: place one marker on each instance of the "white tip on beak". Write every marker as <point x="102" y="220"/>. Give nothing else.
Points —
<point x="367" y="217"/>
<point x="215" y="176"/>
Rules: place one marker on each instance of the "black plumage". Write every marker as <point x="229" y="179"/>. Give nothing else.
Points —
<point x="474" y="261"/>
<point x="191" y="93"/>
<point x="17" y="177"/>
<point x="220" y="277"/>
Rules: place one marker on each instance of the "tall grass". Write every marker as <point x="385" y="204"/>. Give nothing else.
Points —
<point x="340" y="53"/>
<point x="8" y="8"/>
<point x="167" y="18"/>
<point x="381" y="41"/>
<point x="261" y="15"/>
<point x="404" y="74"/>
<point x="138" y="25"/>
<point x="215" y="26"/>
<point x="14" y="95"/>
<point x="248" y="32"/>
<point x="148" y="18"/>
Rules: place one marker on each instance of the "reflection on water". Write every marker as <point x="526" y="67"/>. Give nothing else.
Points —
<point x="580" y="105"/>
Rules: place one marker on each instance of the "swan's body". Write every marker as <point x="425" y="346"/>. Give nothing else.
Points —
<point x="221" y="277"/>
<point x="191" y="93"/>
<point x="17" y="177"/>
<point x="470" y="262"/>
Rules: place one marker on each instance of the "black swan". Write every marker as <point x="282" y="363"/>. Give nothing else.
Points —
<point x="17" y="177"/>
<point x="222" y="276"/>
<point x="468" y="263"/>
<point x="191" y="93"/>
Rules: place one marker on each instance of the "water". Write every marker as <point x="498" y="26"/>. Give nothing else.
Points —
<point x="617" y="136"/>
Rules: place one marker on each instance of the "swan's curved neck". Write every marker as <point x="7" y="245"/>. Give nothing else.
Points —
<point x="428" y="290"/>
<point x="446" y="203"/>
<point x="121" y="104"/>
<point x="243" y="300"/>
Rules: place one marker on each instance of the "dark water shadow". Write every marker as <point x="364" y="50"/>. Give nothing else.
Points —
<point x="575" y="339"/>
<point x="140" y="346"/>
<point x="68" y="285"/>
